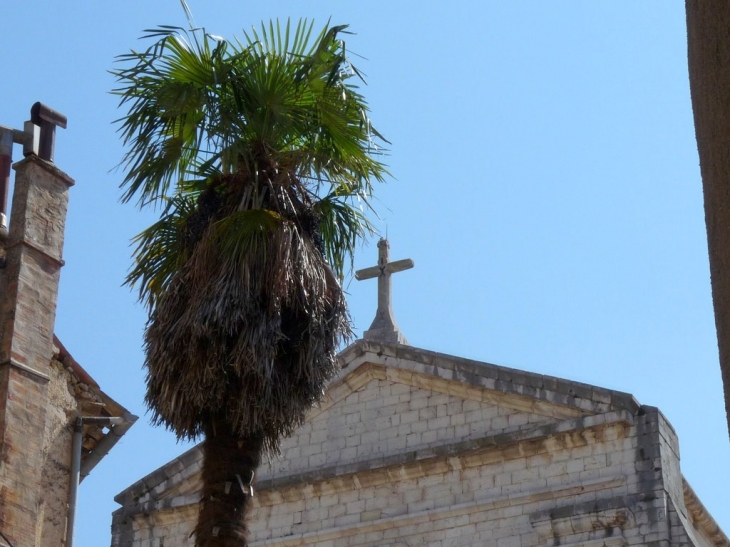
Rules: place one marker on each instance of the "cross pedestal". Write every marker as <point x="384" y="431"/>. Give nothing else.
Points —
<point x="384" y="327"/>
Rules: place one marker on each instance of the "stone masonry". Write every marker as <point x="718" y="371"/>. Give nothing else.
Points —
<point x="28" y="293"/>
<point x="43" y="390"/>
<point x="415" y="448"/>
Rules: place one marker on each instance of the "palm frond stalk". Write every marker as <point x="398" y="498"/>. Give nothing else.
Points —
<point x="261" y="155"/>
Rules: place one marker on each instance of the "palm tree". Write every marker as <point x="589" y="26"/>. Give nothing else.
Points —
<point x="259" y="153"/>
<point x="708" y="53"/>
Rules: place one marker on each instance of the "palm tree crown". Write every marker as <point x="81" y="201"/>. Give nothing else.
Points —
<point x="261" y="155"/>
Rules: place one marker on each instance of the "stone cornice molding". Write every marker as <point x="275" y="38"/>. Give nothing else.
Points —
<point x="410" y="465"/>
<point x="59" y="175"/>
<point x="33" y="373"/>
<point x="58" y="262"/>
<point x="701" y="518"/>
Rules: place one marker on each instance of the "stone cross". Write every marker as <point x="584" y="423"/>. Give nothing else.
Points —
<point x="384" y="327"/>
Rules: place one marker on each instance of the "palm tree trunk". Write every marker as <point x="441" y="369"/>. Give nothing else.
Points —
<point x="708" y="52"/>
<point x="229" y="463"/>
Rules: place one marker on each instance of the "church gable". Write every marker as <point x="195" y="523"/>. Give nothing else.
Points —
<point x="393" y="400"/>
<point x="544" y="394"/>
<point x="377" y="412"/>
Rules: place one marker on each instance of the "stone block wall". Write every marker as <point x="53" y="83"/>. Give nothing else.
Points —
<point x="384" y="418"/>
<point x="28" y="294"/>
<point x="412" y="448"/>
<point x="498" y="495"/>
<point x="61" y="410"/>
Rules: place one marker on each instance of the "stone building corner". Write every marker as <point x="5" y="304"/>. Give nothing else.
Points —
<point x="45" y="395"/>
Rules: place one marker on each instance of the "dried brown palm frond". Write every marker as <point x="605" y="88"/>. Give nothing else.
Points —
<point x="250" y="324"/>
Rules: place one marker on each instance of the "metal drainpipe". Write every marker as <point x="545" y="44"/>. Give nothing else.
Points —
<point x="114" y="423"/>
<point x="103" y="447"/>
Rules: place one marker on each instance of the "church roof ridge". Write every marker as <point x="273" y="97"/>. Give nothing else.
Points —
<point x="188" y="462"/>
<point x="485" y="374"/>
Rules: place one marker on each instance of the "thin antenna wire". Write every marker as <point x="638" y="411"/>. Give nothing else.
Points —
<point x="188" y="13"/>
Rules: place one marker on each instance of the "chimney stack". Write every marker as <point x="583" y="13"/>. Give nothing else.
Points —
<point x="28" y="294"/>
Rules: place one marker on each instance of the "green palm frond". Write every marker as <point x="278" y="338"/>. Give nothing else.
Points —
<point x="244" y="233"/>
<point x="192" y="98"/>
<point x="342" y="227"/>
<point x="160" y="250"/>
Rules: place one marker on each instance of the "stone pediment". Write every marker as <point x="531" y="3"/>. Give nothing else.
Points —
<point x="411" y="447"/>
<point x="391" y="404"/>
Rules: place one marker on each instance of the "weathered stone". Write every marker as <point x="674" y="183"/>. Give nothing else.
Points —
<point x="384" y="327"/>
<point x="41" y="392"/>
<point x="399" y="452"/>
<point x="29" y="285"/>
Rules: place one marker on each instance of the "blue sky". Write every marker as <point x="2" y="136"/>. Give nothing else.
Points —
<point x="546" y="184"/>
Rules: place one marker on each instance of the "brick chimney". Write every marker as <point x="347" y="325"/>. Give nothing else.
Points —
<point x="28" y="293"/>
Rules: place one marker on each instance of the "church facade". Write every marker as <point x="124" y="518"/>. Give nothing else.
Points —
<point x="415" y="448"/>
